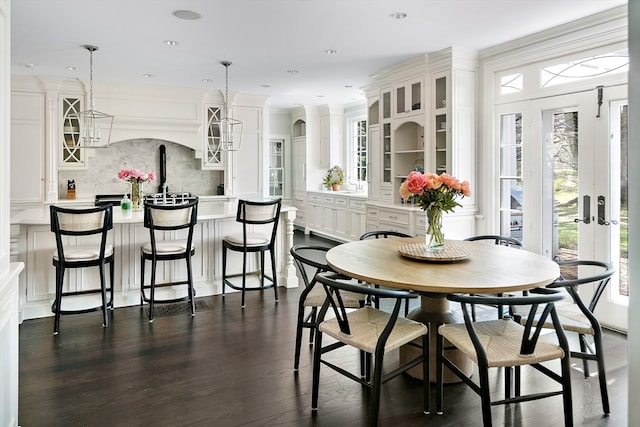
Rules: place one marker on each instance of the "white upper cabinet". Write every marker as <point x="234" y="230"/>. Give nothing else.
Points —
<point x="408" y="97"/>
<point x="27" y="147"/>
<point x="212" y="157"/>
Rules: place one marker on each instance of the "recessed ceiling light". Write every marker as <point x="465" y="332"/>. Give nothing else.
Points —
<point x="265" y="86"/>
<point x="292" y="71"/>
<point x="320" y="96"/>
<point x="348" y="86"/>
<point x="29" y="65"/>
<point x="72" y="68"/>
<point x="207" y="81"/>
<point x="188" y="15"/>
<point x="331" y="51"/>
<point x="397" y="15"/>
<point x="171" y="42"/>
<point x="147" y="75"/>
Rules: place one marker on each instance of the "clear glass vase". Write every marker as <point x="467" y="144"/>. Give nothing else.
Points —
<point x="435" y="238"/>
<point x="136" y="195"/>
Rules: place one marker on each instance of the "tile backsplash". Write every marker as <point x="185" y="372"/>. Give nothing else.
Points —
<point x="184" y="171"/>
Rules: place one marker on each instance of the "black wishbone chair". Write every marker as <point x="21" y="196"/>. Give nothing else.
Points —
<point x="497" y="240"/>
<point x="508" y="344"/>
<point x="579" y="317"/>
<point x="371" y="331"/>
<point x="311" y="260"/>
<point x="384" y="234"/>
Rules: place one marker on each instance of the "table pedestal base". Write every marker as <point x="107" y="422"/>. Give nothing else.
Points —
<point x="434" y="308"/>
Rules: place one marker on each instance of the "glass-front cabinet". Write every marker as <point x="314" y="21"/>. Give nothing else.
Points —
<point x="440" y="124"/>
<point x="276" y="167"/>
<point x="213" y="156"/>
<point x="72" y="156"/>
<point x="408" y="98"/>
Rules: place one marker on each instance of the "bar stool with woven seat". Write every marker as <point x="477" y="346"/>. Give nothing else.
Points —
<point x="254" y="216"/>
<point x="168" y="220"/>
<point x="77" y="224"/>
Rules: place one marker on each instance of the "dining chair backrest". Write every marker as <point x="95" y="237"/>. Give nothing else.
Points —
<point x="571" y="278"/>
<point x="497" y="239"/>
<point x="259" y="213"/>
<point x="382" y="234"/>
<point x="170" y="218"/>
<point x="310" y="257"/>
<point x="80" y="222"/>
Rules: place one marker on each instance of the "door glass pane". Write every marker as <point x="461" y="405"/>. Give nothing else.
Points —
<point x="619" y="192"/>
<point x="565" y="185"/>
<point x="511" y="185"/>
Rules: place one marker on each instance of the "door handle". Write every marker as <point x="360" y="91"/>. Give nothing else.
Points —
<point x="602" y="202"/>
<point x="586" y="210"/>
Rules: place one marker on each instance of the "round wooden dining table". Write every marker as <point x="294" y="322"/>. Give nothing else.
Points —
<point x="473" y="267"/>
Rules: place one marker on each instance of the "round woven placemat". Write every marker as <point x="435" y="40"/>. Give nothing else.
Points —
<point x="451" y="252"/>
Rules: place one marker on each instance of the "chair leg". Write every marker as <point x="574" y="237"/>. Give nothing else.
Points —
<point x="152" y="290"/>
<point x="426" y="387"/>
<point x="602" y="376"/>
<point x="439" y="371"/>
<point x="296" y="357"/>
<point x="58" y="299"/>
<point x="316" y="371"/>
<point x="103" y="291"/>
<point x="111" y="275"/>
<point x="374" y="408"/>
<point x="517" y="387"/>
<point x="224" y="268"/>
<point x="567" y="398"/>
<point x="142" y="265"/>
<point x="261" y="269"/>
<point x="192" y="301"/>
<point x="485" y="396"/>
<point x="244" y="276"/>
<point x="312" y="319"/>
<point x="583" y="349"/>
<point x="274" y="274"/>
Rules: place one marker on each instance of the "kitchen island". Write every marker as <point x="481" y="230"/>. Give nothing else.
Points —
<point x="33" y="243"/>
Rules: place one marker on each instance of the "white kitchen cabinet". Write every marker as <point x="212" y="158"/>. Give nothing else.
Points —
<point x="335" y="216"/>
<point x="314" y="212"/>
<point x="300" y="203"/>
<point x="299" y="156"/>
<point x="213" y="157"/>
<point x="408" y="97"/>
<point x="357" y="218"/>
<point x="28" y="152"/>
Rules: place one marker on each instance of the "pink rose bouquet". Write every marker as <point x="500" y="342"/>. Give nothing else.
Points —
<point x="434" y="191"/>
<point x="136" y="175"/>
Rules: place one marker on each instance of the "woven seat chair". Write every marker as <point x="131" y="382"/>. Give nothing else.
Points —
<point x="168" y="220"/>
<point x="507" y="344"/>
<point x="579" y="317"/>
<point x="384" y="234"/>
<point x="311" y="260"/>
<point x="498" y="240"/>
<point x="370" y="330"/>
<point x="78" y="224"/>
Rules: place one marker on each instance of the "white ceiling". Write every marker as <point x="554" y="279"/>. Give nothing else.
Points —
<point x="265" y="38"/>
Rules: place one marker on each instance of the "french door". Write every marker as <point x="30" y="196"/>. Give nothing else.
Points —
<point x="564" y="160"/>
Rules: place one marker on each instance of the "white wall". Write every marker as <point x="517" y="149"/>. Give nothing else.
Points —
<point x="8" y="271"/>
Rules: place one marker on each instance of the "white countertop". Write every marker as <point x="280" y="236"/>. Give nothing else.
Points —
<point x="206" y="211"/>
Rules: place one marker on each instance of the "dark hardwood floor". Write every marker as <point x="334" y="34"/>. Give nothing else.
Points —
<point x="230" y="367"/>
